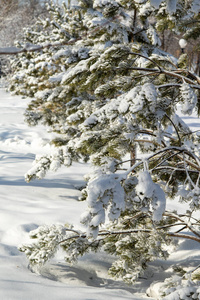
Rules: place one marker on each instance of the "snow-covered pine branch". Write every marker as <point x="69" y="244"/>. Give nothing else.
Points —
<point x="102" y="89"/>
<point x="119" y="239"/>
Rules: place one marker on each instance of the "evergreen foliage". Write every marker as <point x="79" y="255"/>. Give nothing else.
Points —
<point x="102" y="84"/>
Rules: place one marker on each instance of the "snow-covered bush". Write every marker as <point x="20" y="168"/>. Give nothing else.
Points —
<point x="178" y="288"/>
<point x="101" y="83"/>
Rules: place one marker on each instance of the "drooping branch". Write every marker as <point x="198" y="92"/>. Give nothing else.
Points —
<point x="35" y="48"/>
<point x="168" y="73"/>
<point x="103" y="234"/>
<point x="185" y="236"/>
<point x="189" y="73"/>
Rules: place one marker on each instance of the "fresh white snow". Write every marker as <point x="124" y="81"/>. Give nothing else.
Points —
<point x="25" y="206"/>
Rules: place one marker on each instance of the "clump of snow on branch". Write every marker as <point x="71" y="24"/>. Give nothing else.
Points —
<point x="146" y="188"/>
<point x="104" y="193"/>
<point x="48" y="238"/>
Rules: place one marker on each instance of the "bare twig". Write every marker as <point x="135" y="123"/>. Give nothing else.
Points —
<point x="172" y="215"/>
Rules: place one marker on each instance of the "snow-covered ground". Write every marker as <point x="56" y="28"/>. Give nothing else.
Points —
<point x="54" y="199"/>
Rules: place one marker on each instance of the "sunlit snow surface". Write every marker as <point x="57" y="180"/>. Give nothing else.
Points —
<point x="53" y="200"/>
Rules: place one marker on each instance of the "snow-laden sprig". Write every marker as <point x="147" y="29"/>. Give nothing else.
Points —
<point x="104" y="193"/>
<point x="153" y="36"/>
<point x="72" y="72"/>
<point x="48" y="239"/>
<point x="181" y="126"/>
<point x="109" y="56"/>
<point x="189" y="98"/>
<point x="140" y="99"/>
<point x="133" y="252"/>
<point x="177" y="287"/>
<point x="42" y="163"/>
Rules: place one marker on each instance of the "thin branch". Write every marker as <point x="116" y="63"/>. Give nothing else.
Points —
<point x="72" y="230"/>
<point x="180" y="143"/>
<point x="160" y="70"/>
<point x="106" y="233"/>
<point x="191" y="132"/>
<point x="191" y="271"/>
<point x="121" y="232"/>
<point x="150" y="132"/>
<point x="185" y="236"/>
<point x="141" y="69"/>
<point x="151" y="156"/>
<point x="170" y="178"/>
<point x="146" y="141"/>
<point x="141" y="55"/>
<point x="189" y="162"/>
<point x="189" y="73"/>
<point x="172" y="215"/>
<point x="195" y="157"/>
<point x="175" y="169"/>
<point x="171" y="225"/>
<point x="168" y="85"/>
<point x="167" y="158"/>
<point x="181" y="229"/>
<point x="143" y="75"/>
<point x="173" y="74"/>
<point x="165" y="150"/>
<point x="188" y="175"/>
<point x="70" y="238"/>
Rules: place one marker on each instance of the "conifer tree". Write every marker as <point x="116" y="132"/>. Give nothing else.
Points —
<point x="101" y="83"/>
